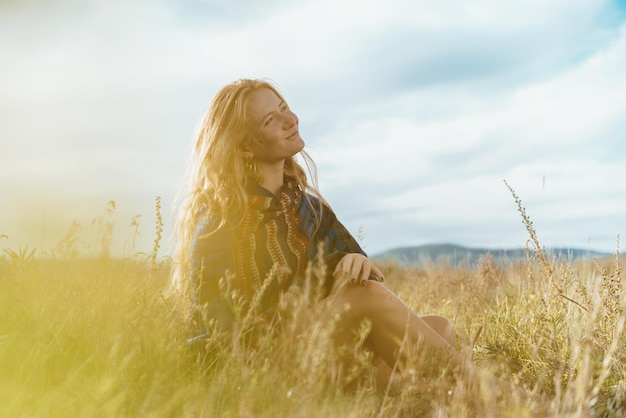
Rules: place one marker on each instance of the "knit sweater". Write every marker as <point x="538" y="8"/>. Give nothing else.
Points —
<point x="276" y="242"/>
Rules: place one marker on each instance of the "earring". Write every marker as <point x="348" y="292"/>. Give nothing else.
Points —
<point x="251" y="164"/>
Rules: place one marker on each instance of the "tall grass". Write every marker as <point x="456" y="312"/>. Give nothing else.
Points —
<point x="85" y="334"/>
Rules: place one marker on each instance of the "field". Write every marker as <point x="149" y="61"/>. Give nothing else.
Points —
<point x="83" y="334"/>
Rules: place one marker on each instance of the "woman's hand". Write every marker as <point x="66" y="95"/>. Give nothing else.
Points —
<point x="356" y="268"/>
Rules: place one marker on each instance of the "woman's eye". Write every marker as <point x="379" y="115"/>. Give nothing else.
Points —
<point x="267" y="122"/>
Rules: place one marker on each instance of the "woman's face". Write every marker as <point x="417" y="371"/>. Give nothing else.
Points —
<point x="274" y="127"/>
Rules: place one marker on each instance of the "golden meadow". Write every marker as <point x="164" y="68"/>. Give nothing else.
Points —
<point x="84" y="334"/>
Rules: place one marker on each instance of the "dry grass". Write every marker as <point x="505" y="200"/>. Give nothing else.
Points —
<point x="82" y="334"/>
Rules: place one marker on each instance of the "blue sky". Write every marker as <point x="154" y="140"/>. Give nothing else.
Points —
<point x="415" y="112"/>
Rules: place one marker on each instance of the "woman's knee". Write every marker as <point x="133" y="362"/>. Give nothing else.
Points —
<point x="364" y="299"/>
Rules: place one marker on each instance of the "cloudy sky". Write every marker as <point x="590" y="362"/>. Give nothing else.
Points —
<point x="415" y="111"/>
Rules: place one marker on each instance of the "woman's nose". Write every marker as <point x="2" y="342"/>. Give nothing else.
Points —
<point x="290" y="120"/>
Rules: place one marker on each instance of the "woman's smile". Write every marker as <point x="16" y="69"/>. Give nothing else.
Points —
<point x="293" y="135"/>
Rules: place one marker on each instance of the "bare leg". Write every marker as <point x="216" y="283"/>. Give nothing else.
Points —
<point x="383" y="372"/>
<point x="392" y="324"/>
<point x="441" y="326"/>
<point x="391" y="321"/>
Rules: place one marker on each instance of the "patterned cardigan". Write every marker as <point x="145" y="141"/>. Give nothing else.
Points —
<point x="277" y="240"/>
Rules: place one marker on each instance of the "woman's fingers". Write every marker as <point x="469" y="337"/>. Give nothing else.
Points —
<point x="366" y="269"/>
<point x="378" y="273"/>
<point x="352" y="270"/>
<point x="356" y="269"/>
<point x="344" y="268"/>
<point x="347" y="265"/>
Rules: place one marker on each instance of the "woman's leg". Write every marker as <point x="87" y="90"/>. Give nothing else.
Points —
<point x="383" y="372"/>
<point x="442" y="326"/>
<point x="392" y="323"/>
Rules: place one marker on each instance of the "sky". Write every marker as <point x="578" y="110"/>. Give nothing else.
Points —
<point x="415" y="112"/>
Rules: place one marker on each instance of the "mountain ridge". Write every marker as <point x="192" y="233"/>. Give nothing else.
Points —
<point x="457" y="254"/>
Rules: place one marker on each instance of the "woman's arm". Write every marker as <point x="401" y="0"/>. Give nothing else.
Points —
<point x="343" y="256"/>
<point x="211" y="260"/>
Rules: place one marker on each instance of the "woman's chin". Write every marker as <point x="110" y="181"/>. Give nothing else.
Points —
<point x="301" y="143"/>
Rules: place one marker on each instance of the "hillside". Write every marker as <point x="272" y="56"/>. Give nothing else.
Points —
<point x="456" y="254"/>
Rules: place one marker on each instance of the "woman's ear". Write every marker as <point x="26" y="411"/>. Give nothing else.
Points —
<point x="245" y="153"/>
<point x="244" y="149"/>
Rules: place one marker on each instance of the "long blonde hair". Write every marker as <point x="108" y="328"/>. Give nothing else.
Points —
<point x="216" y="174"/>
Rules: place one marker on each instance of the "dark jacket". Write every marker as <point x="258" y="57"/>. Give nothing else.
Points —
<point x="212" y="259"/>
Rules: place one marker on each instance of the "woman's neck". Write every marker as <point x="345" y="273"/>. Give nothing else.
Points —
<point x="272" y="175"/>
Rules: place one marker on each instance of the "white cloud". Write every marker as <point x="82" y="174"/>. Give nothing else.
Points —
<point x="554" y="130"/>
<point x="413" y="108"/>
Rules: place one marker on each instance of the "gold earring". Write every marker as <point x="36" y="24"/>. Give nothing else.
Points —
<point x="251" y="164"/>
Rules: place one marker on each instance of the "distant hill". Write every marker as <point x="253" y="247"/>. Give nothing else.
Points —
<point x="456" y="254"/>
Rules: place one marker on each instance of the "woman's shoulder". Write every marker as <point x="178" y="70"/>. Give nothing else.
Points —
<point x="208" y="233"/>
<point x="211" y="249"/>
<point x="316" y="202"/>
<point x="316" y="215"/>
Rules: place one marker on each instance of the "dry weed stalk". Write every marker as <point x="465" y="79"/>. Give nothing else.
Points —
<point x="134" y="233"/>
<point x="158" y="236"/>
<point x="539" y="252"/>
<point x="612" y="289"/>
<point x="594" y="341"/>
<point x="105" y="229"/>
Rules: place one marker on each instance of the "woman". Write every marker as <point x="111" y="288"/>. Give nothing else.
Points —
<point x="250" y="213"/>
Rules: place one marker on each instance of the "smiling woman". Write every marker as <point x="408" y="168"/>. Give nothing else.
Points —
<point x="276" y="128"/>
<point x="250" y="214"/>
